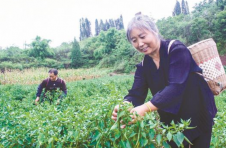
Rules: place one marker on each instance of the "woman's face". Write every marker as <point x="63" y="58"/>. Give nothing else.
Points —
<point x="144" y="41"/>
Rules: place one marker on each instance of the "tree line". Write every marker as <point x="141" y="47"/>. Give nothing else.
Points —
<point x="181" y="8"/>
<point x="85" y="26"/>
<point x="207" y="20"/>
<point x="108" y="46"/>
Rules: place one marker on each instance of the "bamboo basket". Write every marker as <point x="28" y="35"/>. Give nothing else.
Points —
<point x="207" y="58"/>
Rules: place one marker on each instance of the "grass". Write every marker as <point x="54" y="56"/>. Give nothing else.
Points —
<point x="35" y="76"/>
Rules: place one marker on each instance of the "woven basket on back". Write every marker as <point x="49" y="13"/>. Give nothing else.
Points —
<point x="207" y="58"/>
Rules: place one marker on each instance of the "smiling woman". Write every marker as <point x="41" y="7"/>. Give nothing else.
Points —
<point x="170" y="73"/>
<point x="147" y="43"/>
<point x="144" y="36"/>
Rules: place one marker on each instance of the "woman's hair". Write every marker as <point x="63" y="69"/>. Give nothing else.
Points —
<point x="142" y="22"/>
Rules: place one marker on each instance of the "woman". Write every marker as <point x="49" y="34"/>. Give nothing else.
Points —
<point x="178" y="91"/>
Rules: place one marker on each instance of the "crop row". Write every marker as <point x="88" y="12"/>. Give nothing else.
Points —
<point x="83" y="119"/>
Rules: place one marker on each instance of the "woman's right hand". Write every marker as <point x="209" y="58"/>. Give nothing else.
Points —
<point x="114" y="113"/>
<point x="36" y="101"/>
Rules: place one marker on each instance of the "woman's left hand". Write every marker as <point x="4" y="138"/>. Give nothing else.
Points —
<point x="140" y="110"/>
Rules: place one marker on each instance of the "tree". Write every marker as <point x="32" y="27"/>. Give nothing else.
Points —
<point x="112" y="23"/>
<point x="177" y="9"/>
<point x="199" y="29"/>
<point x="13" y="51"/>
<point x="85" y="29"/>
<point x="221" y="4"/>
<point x="107" y="25"/>
<point x="97" y="28"/>
<point x="184" y="7"/>
<point x="76" y="57"/>
<point x="117" y="24"/>
<point x="88" y="28"/>
<point x="82" y="29"/>
<point x="121" y="22"/>
<point x="220" y="31"/>
<point x="102" y="27"/>
<point x="210" y="1"/>
<point x="187" y="8"/>
<point x="40" y="48"/>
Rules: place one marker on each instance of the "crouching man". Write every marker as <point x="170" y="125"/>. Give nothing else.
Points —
<point x="52" y="84"/>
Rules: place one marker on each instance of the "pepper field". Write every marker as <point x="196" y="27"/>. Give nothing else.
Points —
<point x="83" y="119"/>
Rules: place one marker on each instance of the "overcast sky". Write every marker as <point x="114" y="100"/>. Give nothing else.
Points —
<point x="58" y="20"/>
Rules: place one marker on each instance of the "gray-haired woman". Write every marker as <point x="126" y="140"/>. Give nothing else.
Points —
<point x="178" y="92"/>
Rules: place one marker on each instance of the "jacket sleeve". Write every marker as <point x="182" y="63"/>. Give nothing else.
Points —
<point x="138" y="93"/>
<point x="170" y="98"/>
<point x="40" y="88"/>
<point x="64" y="88"/>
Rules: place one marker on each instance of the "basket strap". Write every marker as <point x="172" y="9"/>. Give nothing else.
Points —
<point x="170" y="43"/>
<point x="218" y="83"/>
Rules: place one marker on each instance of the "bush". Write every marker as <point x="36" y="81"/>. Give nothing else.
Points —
<point x="108" y="61"/>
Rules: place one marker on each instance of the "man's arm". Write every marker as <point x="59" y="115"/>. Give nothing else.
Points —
<point x="39" y="91"/>
<point x="64" y="88"/>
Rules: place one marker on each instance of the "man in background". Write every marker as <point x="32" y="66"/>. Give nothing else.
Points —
<point x="52" y="84"/>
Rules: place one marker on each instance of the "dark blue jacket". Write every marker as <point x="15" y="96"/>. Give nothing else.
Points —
<point x="52" y="85"/>
<point x="178" y="92"/>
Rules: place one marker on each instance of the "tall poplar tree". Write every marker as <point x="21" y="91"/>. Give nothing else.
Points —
<point x="107" y="25"/>
<point x="82" y="28"/>
<point x="85" y="29"/>
<point x="97" y="28"/>
<point x="121" y="22"/>
<point x="183" y="7"/>
<point x="187" y="8"/>
<point x="102" y="27"/>
<point x="112" y="23"/>
<point x="177" y="9"/>
<point x="76" y="57"/>
<point x="88" y="28"/>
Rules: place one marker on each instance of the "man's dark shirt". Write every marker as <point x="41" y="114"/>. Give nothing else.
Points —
<point x="52" y="85"/>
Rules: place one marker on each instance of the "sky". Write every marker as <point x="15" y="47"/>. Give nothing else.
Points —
<point x="58" y="20"/>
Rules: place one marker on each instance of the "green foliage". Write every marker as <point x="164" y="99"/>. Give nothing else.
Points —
<point x="206" y="21"/>
<point x="199" y="29"/>
<point x="82" y="119"/>
<point x="76" y="60"/>
<point x="219" y="129"/>
<point x="110" y="49"/>
<point x="40" y="48"/>
<point x="221" y="4"/>
<point x="220" y="31"/>
<point x="9" y="66"/>
<point x="12" y="51"/>
<point x="63" y="51"/>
